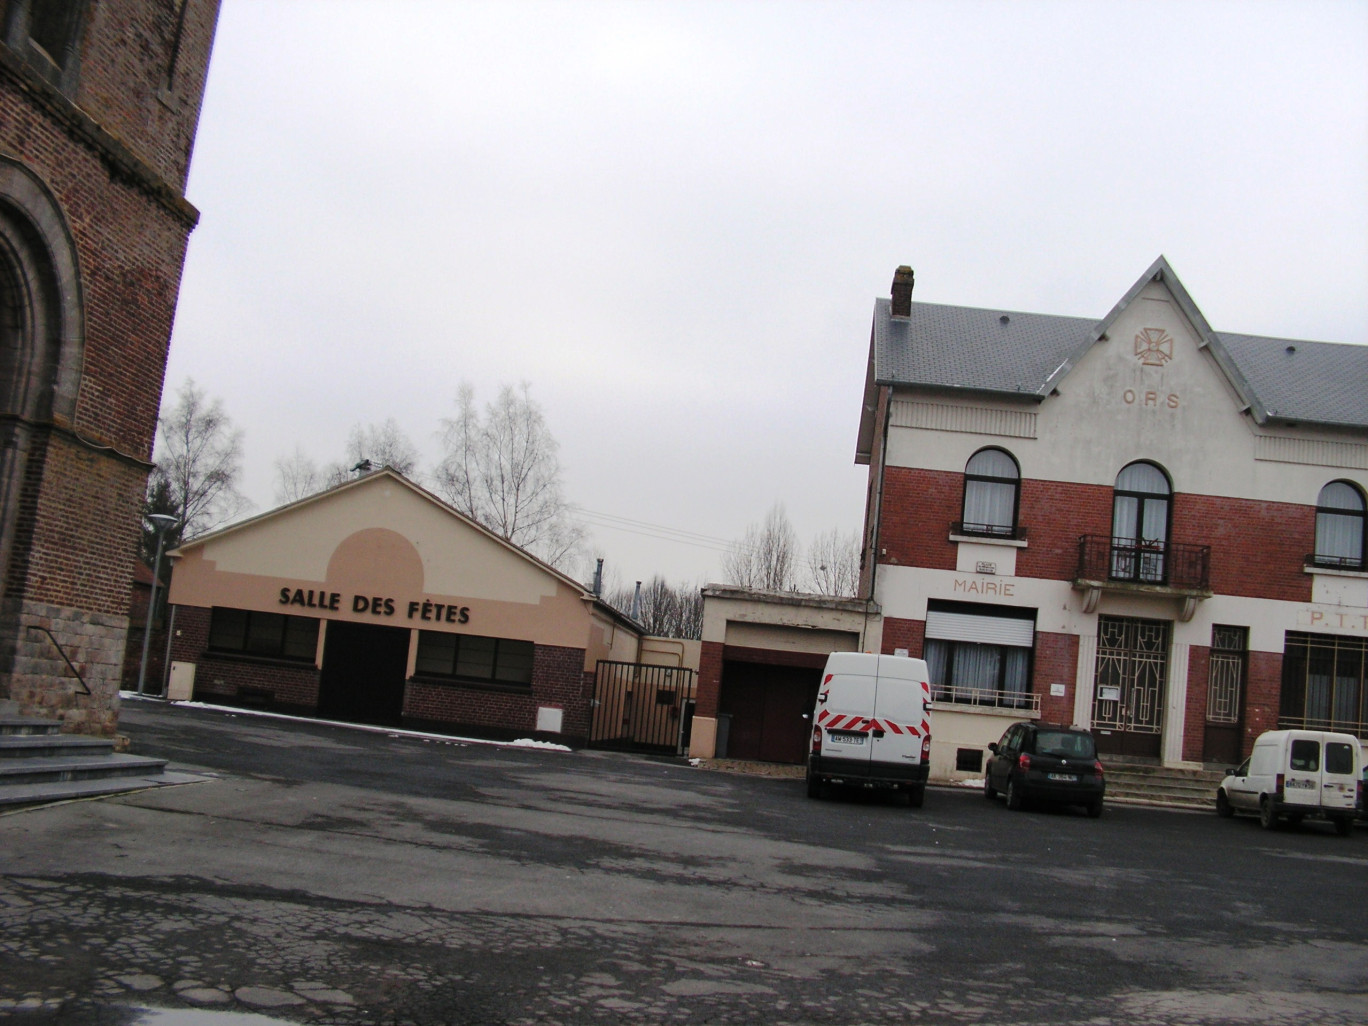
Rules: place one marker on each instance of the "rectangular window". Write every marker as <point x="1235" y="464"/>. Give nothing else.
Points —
<point x="1339" y="757"/>
<point x="269" y="635"/>
<point x="470" y="657"/>
<point x="1324" y="683"/>
<point x="968" y="760"/>
<point x="979" y="655"/>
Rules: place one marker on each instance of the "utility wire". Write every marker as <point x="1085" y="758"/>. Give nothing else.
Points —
<point x="650" y="530"/>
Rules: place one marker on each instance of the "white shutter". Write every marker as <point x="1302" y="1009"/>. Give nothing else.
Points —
<point x="987" y="630"/>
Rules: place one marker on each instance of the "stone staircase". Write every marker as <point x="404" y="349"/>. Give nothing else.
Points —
<point x="39" y="764"/>
<point x="1146" y="783"/>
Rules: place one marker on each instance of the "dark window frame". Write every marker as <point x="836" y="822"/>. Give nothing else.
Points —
<point x="303" y="626"/>
<point x="1325" y="683"/>
<point x="1136" y="558"/>
<point x="68" y="18"/>
<point x="1011" y="530"/>
<point x="1323" y="559"/>
<point x="493" y="680"/>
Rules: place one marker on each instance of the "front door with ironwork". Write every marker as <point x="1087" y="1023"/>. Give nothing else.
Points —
<point x="1128" y="694"/>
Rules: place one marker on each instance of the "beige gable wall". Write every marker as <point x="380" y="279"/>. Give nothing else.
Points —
<point x="383" y="540"/>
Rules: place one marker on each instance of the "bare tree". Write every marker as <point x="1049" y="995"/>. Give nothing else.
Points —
<point x="382" y="445"/>
<point x="665" y="610"/>
<point x="501" y="469"/>
<point x="833" y="563"/>
<point x="766" y="557"/>
<point x="200" y="459"/>
<point x="297" y="477"/>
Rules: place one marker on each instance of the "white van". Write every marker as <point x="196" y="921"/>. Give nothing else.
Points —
<point x="871" y="726"/>
<point x="1297" y="774"/>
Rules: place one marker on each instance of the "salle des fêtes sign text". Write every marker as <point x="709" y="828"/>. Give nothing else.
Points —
<point x="375" y="605"/>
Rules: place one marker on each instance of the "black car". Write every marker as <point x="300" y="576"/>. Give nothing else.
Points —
<point x="1045" y="762"/>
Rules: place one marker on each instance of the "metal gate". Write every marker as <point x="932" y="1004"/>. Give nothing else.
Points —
<point x="642" y="708"/>
<point x="1128" y="700"/>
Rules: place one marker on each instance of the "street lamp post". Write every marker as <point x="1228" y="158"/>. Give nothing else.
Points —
<point x="161" y="523"/>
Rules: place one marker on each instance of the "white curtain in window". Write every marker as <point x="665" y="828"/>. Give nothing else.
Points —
<point x="989" y="504"/>
<point x="1339" y="536"/>
<point x="976" y="667"/>
<point x="936" y="655"/>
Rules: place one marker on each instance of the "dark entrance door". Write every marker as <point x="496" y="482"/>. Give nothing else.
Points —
<point x="767" y="705"/>
<point x="1128" y="696"/>
<point x="1225" y="695"/>
<point x="363" y="673"/>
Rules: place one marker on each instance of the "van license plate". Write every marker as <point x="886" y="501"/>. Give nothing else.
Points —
<point x="1061" y="776"/>
<point x="847" y="739"/>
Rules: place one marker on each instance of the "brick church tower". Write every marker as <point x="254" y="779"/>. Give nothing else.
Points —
<point x="99" y="101"/>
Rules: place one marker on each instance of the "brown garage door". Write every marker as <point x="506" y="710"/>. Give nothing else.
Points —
<point x="767" y="705"/>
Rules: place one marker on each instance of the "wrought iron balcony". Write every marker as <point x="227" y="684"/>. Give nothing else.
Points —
<point x="1324" y="562"/>
<point x="1014" y="532"/>
<point x="1126" y="564"/>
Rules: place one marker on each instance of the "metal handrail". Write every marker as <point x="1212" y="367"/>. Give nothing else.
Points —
<point x="1335" y="562"/>
<point x="1359" y="728"/>
<point x="1014" y="533"/>
<point x="62" y="652"/>
<point x="983" y="696"/>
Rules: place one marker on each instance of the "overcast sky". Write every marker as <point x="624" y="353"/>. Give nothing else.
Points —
<point x="672" y="219"/>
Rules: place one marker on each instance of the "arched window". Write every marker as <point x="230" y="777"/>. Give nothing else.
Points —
<point x="41" y="328"/>
<point x="990" y="494"/>
<point x="1140" y="522"/>
<point x="1340" y="526"/>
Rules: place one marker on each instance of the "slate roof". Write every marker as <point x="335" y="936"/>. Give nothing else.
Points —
<point x="1310" y="382"/>
<point x="1026" y="354"/>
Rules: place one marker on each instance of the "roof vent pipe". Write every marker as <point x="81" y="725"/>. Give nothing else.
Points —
<point x="902" y="291"/>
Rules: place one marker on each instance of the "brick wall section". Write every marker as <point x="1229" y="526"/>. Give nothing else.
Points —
<point x="907" y="634"/>
<point x="1056" y="662"/>
<point x="918" y="508"/>
<point x="286" y="687"/>
<point x="113" y="153"/>
<point x="1194" y="722"/>
<point x="709" y="679"/>
<point x="558" y="680"/>
<point x="123" y="84"/>
<point x="1258" y="549"/>
<point x="1263" y="693"/>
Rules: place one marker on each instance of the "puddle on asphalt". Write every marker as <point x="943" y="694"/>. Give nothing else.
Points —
<point x="202" y="1017"/>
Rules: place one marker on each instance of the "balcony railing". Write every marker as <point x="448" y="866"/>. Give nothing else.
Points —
<point x="1325" y="562"/>
<point x="1015" y="532"/>
<point x="1160" y="564"/>
<point x="985" y="697"/>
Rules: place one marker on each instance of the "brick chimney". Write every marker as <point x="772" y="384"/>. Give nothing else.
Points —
<point x="902" y="291"/>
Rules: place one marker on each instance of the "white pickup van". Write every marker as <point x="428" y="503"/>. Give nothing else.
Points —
<point x="1296" y="775"/>
<point x="871" y="726"/>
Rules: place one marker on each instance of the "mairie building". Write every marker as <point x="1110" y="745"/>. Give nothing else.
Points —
<point x="1132" y="522"/>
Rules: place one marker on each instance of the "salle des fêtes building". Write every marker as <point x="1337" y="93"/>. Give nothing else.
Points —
<point x="1131" y="521"/>
<point x="376" y="602"/>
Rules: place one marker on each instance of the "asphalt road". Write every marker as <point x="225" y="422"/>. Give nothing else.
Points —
<point x="329" y="875"/>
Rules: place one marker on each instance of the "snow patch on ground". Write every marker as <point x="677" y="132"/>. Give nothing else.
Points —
<point x="525" y="742"/>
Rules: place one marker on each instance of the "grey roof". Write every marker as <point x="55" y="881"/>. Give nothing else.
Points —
<point x="982" y="350"/>
<point x="1311" y="382"/>
<point x="1025" y="354"/>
